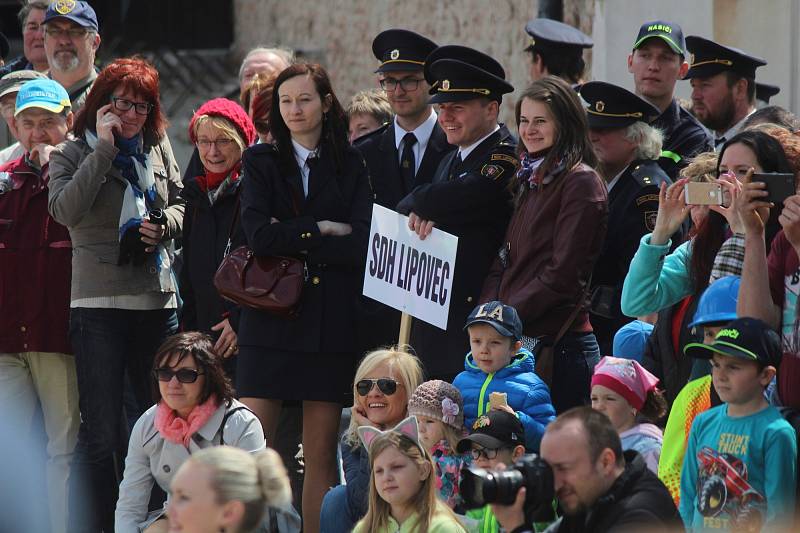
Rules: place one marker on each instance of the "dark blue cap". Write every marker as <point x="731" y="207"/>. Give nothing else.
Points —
<point x="765" y="91"/>
<point x="746" y="338"/>
<point x="465" y="54"/>
<point x="501" y="317"/>
<point x="552" y="33"/>
<point x="669" y="32"/>
<point x="458" y="73"/>
<point x="399" y="49"/>
<point x="79" y="12"/>
<point x="611" y="106"/>
<point x="709" y="59"/>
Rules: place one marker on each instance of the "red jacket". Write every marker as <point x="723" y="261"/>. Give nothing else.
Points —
<point x="35" y="266"/>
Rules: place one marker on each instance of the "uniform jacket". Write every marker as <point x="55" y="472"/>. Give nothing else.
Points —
<point x="527" y="394"/>
<point x="270" y="189"/>
<point x="632" y="210"/>
<point x="684" y="138"/>
<point x="152" y="459"/>
<point x="86" y="194"/>
<point x="472" y="202"/>
<point x="548" y="268"/>
<point x="637" y="501"/>
<point x="379" y="149"/>
<point x="205" y="236"/>
<point x="35" y="255"/>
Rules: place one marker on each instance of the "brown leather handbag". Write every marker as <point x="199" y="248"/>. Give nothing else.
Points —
<point x="273" y="284"/>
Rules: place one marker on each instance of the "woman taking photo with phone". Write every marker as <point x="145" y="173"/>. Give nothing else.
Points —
<point x="116" y="188"/>
<point x="306" y="196"/>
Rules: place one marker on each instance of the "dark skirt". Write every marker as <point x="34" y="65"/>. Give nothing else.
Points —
<point x="285" y="375"/>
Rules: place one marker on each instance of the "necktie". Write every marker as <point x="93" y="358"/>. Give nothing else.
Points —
<point x="407" y="161"/>
<point x="456" y="163"/>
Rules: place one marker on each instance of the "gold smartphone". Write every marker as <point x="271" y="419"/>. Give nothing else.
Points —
<point x="703" y="193"/>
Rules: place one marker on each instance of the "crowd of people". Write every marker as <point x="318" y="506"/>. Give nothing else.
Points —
<point x="624" y="301"/>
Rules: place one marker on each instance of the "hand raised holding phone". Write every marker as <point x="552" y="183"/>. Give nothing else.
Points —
<point x="107" y="123"/>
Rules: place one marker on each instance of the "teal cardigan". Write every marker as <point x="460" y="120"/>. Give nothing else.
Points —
<point x="656" y="280"/>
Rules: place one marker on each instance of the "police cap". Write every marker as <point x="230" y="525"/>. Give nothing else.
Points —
<point x="457" y="81"/>
<point x="611" y="106"/>
<point x="399" y="49"/>
<point x="465" y="54"/>
<point x="554" y="34"/>
<point x="765" y="91"/>
<point x="709" y="59"/>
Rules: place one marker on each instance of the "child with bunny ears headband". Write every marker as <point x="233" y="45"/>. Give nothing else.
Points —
<point x="402" y="492"/>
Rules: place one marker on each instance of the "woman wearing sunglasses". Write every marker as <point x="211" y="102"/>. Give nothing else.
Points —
<point x="194" y="409"/>
<point x="384" y="381"/>
<point x="115" y="187"/>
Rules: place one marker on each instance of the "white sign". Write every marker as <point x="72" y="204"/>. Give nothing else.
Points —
<point x="412" y="275"/>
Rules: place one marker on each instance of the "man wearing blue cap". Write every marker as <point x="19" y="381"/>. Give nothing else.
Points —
<point x="71" y="40"/>
<point x="657" y="62"/>
<point x="469" y="195"/>
<point x="723" y="82"/>
<point x="36" y="365"/>
<point x="402" y="154"/>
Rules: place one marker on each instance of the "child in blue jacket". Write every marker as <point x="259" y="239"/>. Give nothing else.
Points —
<point x="499" y="366"/>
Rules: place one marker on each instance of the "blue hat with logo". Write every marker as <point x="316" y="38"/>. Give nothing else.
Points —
<point x="501" y="317"/>
<point x="42" y="94"/>
<point x="81" y="13"/>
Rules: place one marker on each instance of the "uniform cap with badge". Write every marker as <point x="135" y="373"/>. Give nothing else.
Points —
<point x="765" y="91"/>
<point x="401" y="50"/>
<point x="709" y="59"/>
<point x="460" y="73"/>
<point x="611" y="106"/>
<point x="79" y="12"/>
<point x="553" y="35"/>
<point x="669" y="32"/>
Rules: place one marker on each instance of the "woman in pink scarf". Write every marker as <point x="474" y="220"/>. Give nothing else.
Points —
<point x="194" y="409"/>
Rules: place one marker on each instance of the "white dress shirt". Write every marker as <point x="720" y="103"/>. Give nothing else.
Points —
<point x="422" y="133"/>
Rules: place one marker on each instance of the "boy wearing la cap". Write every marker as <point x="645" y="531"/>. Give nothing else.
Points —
<point x="36" y="363"/>
<point x="740" y="467"/>
<point x="497" y="363"/>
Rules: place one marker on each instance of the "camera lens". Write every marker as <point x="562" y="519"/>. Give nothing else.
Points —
<point x="479" y="486"/>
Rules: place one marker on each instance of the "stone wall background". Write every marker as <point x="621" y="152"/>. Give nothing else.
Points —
<point x="339" y="33"/>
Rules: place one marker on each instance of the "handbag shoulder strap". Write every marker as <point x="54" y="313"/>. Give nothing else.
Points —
<point x="574" y="314"/>
<point x="236" y="208"/>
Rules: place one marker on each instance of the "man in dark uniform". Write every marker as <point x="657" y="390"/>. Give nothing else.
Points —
<point x="765" y="91"/>
<point x="657" y="62"/>
<point x="723" y="86"/>
<point x="627" y="148"/>
<point x="556" y="49"/>
<point x="399" y="155"/>
<point x="469" y="196"/>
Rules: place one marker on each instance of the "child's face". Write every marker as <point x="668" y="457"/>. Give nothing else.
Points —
<point x="736" y="380"/>
<point x="506" y="456"/>
<point x="397" y="478"/>
<point x="491" y="351"/>
<point x="710" y="334"/>
<point x="431" y="431"/>
<point x="614" y="406"/>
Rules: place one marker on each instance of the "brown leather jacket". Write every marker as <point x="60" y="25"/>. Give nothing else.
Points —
<point x="553" y="241"/>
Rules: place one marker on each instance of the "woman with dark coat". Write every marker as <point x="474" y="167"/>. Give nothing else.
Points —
<point x="306" y="196"/>
<point x="221" y="131"/>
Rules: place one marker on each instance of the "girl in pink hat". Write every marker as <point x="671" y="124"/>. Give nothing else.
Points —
<point x="625" y="392"/>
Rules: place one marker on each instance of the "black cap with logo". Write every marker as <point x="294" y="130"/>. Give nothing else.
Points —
<point x="547" y="33"/>
<point x="669" y="32"/>
<point x="464" y="74"/>
<point x="401" y="50"/>
<point x="746" y="338"/>
<point x="495" y="429"/>
<point x="709" y="59"/>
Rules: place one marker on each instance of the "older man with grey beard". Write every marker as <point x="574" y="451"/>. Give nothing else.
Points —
<point x="71" y="40"/>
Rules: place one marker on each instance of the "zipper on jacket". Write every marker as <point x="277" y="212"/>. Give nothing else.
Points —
<point x="483" y="393"/>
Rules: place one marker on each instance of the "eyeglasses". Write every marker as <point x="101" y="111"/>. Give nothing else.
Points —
<point x="221" y="144"/>
<point x="121" y="104"/>
<point x="385" y="385"/>
<point x="184" y="375"/>
<point x="32" y="26"/>
<point x="489" y="453"/>
<point x="73" y="33"/>
<point x="407" y="84"/>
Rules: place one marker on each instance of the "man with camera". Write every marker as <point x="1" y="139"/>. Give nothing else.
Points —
<point x="599" y="488"/>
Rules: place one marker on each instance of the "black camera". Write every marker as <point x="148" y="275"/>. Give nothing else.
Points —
<point x="131" y="247"/>
<point x="479" y="487"/>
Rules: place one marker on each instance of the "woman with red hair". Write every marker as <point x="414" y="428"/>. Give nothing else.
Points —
<point x="115" y="187"/>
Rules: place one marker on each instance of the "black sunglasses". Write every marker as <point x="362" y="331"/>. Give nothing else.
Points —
<point x="184" y="375"/>
<point x="385" y="385"/>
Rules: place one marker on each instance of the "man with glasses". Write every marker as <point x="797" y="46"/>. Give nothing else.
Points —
<point x="30" y="17"/>
<point x="36" y="363"/>
<point x="71" y="40"/>
<point x="402" y="154"/>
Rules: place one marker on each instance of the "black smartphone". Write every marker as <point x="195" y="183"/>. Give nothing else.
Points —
<point x="780" y="185"/>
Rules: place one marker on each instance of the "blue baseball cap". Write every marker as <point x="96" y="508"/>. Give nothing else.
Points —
<point x="43" y="94"/>
<point x="631" y="339"/>
<point x="501" y="317"/>
<point x="81" y="13"/>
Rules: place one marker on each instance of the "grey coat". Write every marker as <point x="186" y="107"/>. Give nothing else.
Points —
<point x="85" y="195"/>
<point x="152" y="459"/>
